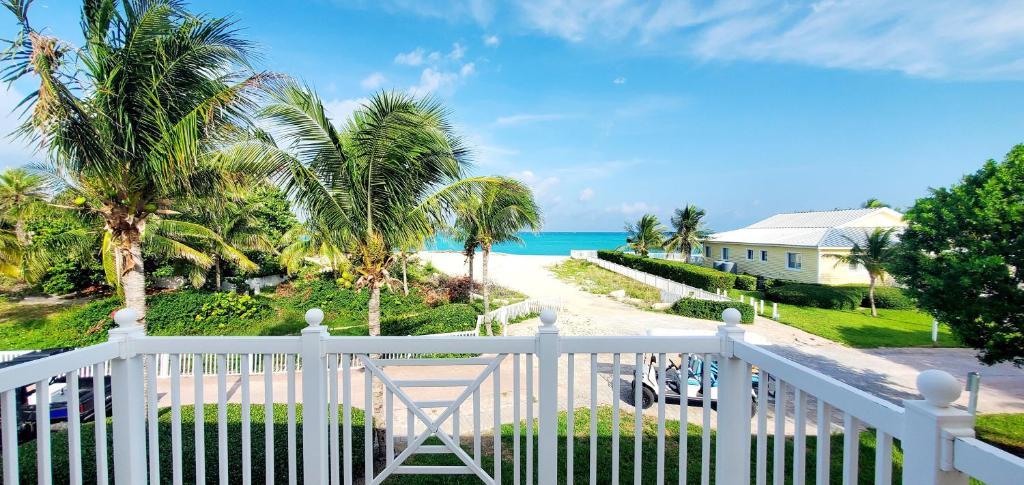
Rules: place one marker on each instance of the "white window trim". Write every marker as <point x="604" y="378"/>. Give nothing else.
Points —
<point x="750" y="255"/>
<point x="764" y="256"/>
<point x="725" y="253"/>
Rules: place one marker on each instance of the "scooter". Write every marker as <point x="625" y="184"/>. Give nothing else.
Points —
<point x="694" y="383"/>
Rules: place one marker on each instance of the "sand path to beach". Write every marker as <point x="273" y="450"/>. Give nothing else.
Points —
<point x="889" y="373"/>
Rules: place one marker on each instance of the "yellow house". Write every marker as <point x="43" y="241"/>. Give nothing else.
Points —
<point x="796" y="246"/>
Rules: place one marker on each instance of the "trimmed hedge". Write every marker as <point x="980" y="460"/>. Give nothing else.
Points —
<point x="887" y="297"/>
<point x="688" y="274"/>
<point x="711" y="310"/>
<point x="820" y="296"/>
<point x="746" y="282"/>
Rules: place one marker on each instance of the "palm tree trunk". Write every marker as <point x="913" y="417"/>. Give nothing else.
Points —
<point x="469" y="257"/>
<point x="132" y="273"/>
<point x="379" y="435"/>
<point x="20" y="232"/>
<point x="487" y="291"/>
<point x="405" y="275"/>
<point x="216" y="272"/>
<point x="871" y="296"/>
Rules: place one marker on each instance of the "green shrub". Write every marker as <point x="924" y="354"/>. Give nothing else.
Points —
<point x="688" y="274"/>
<point x="231" y="304"/>
<point x="820" y="296"/>
<point x="456" y="317"/>
<point x="887" y="297"/>
<point x="711" y="310"/>
<point x="68" y="276"/>
<point x="746" y="282"/>
<point x="347" y="307"/>
<point x="196" y="312"/>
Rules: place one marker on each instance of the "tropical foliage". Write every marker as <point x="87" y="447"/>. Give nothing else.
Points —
<point x="688" y="223"/>
<point x="873" y="254"/>
<point x="644" y="235"/>
<point x="961" y="258"/>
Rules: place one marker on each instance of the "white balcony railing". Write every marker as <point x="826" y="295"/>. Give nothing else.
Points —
<point x="432" y="406"/>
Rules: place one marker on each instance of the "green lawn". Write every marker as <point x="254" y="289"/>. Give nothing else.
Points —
<point x="597" y="280"/>
<point x="581" y="450"/>
<point x="1003" y="430"/>
<point x="892" y="328"/>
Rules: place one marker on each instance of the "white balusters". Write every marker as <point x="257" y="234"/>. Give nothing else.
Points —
<point x="761" y="453"/>
<point x="570" y="416"/>
<point x="705" y="438"/>
<point x="245" y="368"/>
<point x="684" y="392"/>
<point x="779" y="451"/>
<point x="9" y="435"/>
<point x="346" y="398"/>
<point x="292" y="466"/>
<point x="660" y="470"/>
<point x="822" y="466"/>
<point x="851" y="449"/>
<point x="529" y="419"/>
<point x="616" y="396"/>
<point x="99" y="403"/>
<point x="498" y="461"/>
<point x="74" y="427"/>
<point x="799" y="436"/>
<point x="152" y="426"/>
<point x="593" y="419"/>
<point x="638" y="417"/>
<point x="368" y="424"/>
<point x="883" y="458"/>
<point x="222" y="419"/>
<point x="44" y="469"/>
<point x="200" y="418"/>
<point x="174" y="362"/>
<point x="268" y="419"/>
<point x="515" y="420"/>
<point x="332" y="413"/>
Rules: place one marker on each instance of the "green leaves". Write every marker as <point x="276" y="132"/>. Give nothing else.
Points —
<point x="645" y="235"/>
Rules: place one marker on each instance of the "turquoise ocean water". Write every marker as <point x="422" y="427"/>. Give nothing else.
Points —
<point x="544" y="243"/>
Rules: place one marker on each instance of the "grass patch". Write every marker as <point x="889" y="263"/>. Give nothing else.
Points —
<point x="597" y="280"/>
<point x="1004" y="431"/>
<point x="857" y="328"/>
<point x="581" y="450"/>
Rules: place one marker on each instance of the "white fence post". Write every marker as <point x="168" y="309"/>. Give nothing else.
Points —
<point x="931" y="426"/>
<point x="547" y="357"/>
<point x="734" y="391"/>
<point x="314" y="400"/>
<point x="128" y="400"/>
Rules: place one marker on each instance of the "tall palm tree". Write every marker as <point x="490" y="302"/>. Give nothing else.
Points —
<point x="689" y="230"/>
<point x="646" y="234"/>
<point x="20" y="191"/>
<point x="308" y="242"/>
<point x="874" y="255"/>
<point x="233" y="220"/>
<point x="495" y="216"/>
<point x="129" y="118"/>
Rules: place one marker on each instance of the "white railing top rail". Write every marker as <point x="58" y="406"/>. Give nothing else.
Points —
<point x="874" y="411"/>
<point x="986" y="463"/>
<point x="47" y="367"/>
<point x="217" y="345"/>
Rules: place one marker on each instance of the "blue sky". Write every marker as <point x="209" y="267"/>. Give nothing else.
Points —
<point x="612" y="108"/>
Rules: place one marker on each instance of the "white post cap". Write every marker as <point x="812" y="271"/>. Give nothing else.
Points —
<point x="938" y="387"/>
<point x="731" y="316"/>
<point x="548" y="317"/>
<point x="314" y="317"/>
<point x="126" y="317"/>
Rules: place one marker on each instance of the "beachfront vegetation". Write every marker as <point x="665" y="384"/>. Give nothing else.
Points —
<point x="688" y="274"/>
<point x="961" y="258"/>
<point x="873" y="203"/>
<point x="494" y="216"/>
<point x="645" y="235"/>
<point x="594" y="279"/>
<point x="874" y="256"/>
<point x="689" y="230"/>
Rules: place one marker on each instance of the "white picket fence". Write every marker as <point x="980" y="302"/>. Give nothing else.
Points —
<point x="672" y="290"/>
<point x="511" y="312"/>
<point x="521" y="376"/>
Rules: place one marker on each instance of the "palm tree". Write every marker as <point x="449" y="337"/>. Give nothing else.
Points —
<point x="689" y="230"/>
<point x="646" y="234"/>
<point x="308" y="242"/>
<point x="873" y="203"/>
<point x="20" y="191"/>
<point x="129" y="119"/>
<point x="495" y="216"/>
<point x="233" y="220"/>
<point x="874" y="255"/>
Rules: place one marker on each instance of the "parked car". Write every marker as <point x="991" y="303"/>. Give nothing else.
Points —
<point x="26" y="396"/>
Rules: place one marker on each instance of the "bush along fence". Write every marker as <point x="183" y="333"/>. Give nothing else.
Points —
<point x="672" y="291"/>
<point x="688" y="274"/>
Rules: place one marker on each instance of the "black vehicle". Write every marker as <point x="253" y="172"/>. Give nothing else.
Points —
<point x="25" y="396"/>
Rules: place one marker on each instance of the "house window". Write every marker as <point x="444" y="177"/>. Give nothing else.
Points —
<point x="764" y="255"/>
<point x="725" y="253"/>
<point x="793" y="260"/>
<point x="750" y="254"/>
<point x="707" y="251"/>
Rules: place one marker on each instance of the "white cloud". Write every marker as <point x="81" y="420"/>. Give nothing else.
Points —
<point x="619" y="80"/>
<point x="458" y="50"/>
<point x="492" y="40"/>
<point x="521" y="119"/>
<point x="373" y="81"/>
<point x="414" y="57"/>
<point x="631" y="208"/>
<point x="586" y="194"/>
<point x="925" y="38"/>
<point x="339" y="110"/>
<point x="540" y="185"/>
<point x="467" y="69"/>
<point x="433" y="80"/>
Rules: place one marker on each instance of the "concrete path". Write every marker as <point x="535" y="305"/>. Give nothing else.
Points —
<point x="889" y="373"/>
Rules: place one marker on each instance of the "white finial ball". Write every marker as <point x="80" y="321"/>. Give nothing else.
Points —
<point x="731" y="316"/>
<point x="314" y="317"/>
<point x="938" y="387"/>
<point x="126" y="317"/>
<point x="548" y="316"/>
